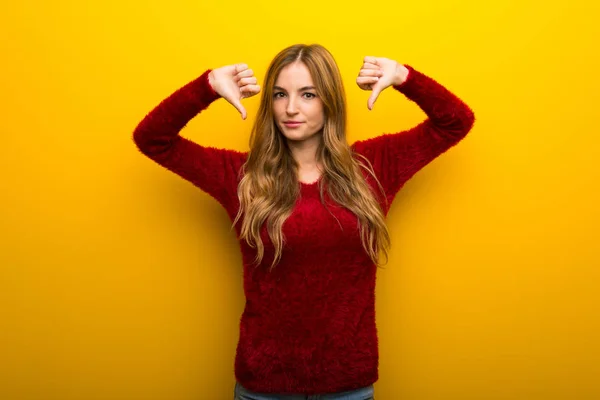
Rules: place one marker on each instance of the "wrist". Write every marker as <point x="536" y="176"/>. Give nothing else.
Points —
<point x="401" y="75"/>
<point x="210" y="80"/>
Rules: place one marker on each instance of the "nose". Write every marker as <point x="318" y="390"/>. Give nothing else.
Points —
<point x="291" y="106"/>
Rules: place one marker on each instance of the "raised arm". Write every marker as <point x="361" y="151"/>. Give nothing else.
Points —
<point x="215" y="171"/>
<point x="396" y="157"/>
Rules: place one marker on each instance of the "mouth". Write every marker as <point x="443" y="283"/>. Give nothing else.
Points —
<point x="292" y="124"/>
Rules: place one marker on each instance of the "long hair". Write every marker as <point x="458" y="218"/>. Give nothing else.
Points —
<point x="269" y="186"/>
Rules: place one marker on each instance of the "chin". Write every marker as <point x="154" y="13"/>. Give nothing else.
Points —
<point x="297" y="136"/>
<point x="292" y="134"/>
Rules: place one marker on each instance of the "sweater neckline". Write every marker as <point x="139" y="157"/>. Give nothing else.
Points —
<point x="311" y="184"/>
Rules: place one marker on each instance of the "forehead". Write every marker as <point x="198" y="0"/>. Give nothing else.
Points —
<point x="293" y="76"/>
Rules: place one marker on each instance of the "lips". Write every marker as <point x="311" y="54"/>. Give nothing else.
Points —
<point x="292" y="124"/>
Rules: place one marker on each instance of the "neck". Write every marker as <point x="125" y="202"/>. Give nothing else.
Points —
<point x="305" y="152"/>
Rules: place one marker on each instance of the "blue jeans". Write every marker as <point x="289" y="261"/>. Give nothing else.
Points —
<point x="366" y="393"/>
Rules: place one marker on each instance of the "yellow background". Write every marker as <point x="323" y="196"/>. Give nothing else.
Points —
<point x="119" y="280"/>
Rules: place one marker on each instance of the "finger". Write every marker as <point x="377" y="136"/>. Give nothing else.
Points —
<point x="373" y="97"/>
<point x="370" y="65"/>
<point x="240" y="67"/>
<point x="366" y="81"/>
<point x="247" y="81"/>
<point x="370" y="72"/>
<point x="238" y="105"/>
<point x="250" y="90"/>
<point x="371" y="60"/>
<point x="366" y="87"/>
<point x="245" y="73"/>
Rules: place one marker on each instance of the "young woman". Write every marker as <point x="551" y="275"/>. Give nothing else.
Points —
<point x="308" y="209"/>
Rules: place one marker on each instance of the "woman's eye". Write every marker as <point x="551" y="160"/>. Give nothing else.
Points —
<point x="306" y="95"/>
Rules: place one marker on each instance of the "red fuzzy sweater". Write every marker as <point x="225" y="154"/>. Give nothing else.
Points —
<point x="309" y="325"/>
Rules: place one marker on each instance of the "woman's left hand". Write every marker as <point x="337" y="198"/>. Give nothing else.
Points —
<point x="378" y="73"/>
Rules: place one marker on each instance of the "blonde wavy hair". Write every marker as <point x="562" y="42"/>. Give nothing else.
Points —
<point x="269" y="186"/>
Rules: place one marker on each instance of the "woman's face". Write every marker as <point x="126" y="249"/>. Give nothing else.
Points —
<point x="297" y="110"/>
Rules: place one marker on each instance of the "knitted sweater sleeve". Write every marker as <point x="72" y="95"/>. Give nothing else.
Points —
<point x="396" y="157"/>
<point x="213" y="170"/>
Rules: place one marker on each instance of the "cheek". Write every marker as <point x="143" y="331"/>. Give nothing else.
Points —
<point x="315" y="112"/>
<point x="276" y="109"/>
<point x="318" y="115"/>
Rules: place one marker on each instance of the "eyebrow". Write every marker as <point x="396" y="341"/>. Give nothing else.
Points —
<point x="302" y="89"/>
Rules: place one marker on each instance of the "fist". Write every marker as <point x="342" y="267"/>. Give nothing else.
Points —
<point x="378" y="73"/>
<point x="234" y="83"/>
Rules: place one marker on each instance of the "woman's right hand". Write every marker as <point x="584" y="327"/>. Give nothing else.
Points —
<point x="234" y="83"/>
